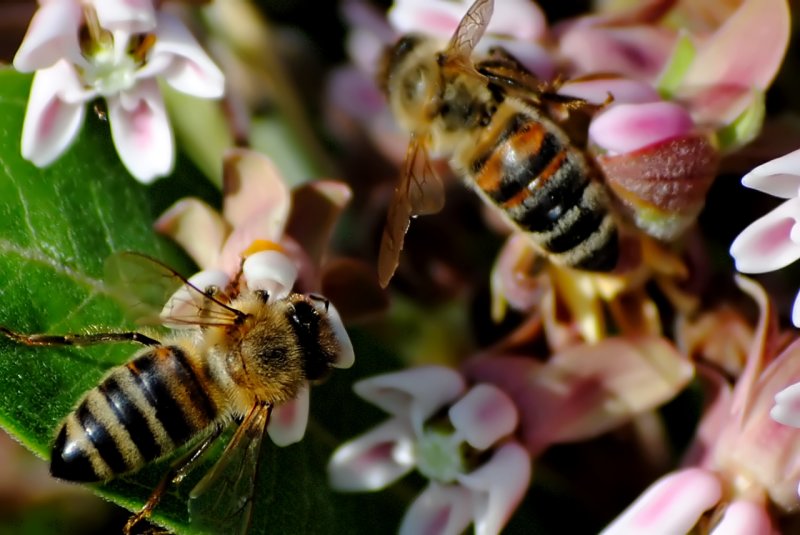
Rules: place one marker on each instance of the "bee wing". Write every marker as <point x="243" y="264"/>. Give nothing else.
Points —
<point x="470" y="30"/>
<point x="222" y="502"/>
<point x="154" y="293"/>
<point x="419" y="192"/>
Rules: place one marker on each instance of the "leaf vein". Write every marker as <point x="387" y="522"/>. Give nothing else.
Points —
<point x="35" y="255"/>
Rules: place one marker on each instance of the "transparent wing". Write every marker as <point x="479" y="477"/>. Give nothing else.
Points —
<point x="419" y="192"/>
<point x="470" y="30"/>
<point x="222" y="501"/>
<point x="154" y="293"/>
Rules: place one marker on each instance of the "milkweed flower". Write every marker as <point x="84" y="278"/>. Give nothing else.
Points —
<point x="741" y="470"/>
<point x="247" y="241"/>
<point x="440" y="427"/>
<point x="84" y="49"/>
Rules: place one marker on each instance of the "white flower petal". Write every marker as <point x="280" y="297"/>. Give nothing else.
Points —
<point x="743" y="517"/>
<point x="673" y="504"/>
<point x="484" y="415"/>
<point x="271" y="271"/>
<point x="52" y="35"/>
<point x="439" y="510"/>
<point x="288" y="422"/>
<point x="498" y="487"/>
<point x="130" y="16"/>
<point x="796" y="311"/>
<point x="184" y="63"/>
<point x="141" y="131"/>
<point x="346" y="355"/>
<point x="787" y="406"/>
<point x="767" y="245"/>
<point x="416" y="393"/>
<point x="186" y="303"/>
<point x="51" y="124"/>
<point x="779" y="177"/>
<point x="373" y="460"/>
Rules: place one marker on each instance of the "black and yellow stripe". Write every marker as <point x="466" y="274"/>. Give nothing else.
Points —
<point x="527" y="167"/>
<point x="139" y="412"/>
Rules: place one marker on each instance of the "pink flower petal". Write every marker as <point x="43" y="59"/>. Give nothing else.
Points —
<point x="129" y="16"/>
<point x="623" y="90"/>
<point x="197" y="228"/>
<point x="498" y="487"/>
<point x="723" y="60"/>
<point x="484" y="415"/>
<point x="254" y="188"/>
<point x="634" y="51"/>
<point x="52" y="36"/>
<point x="629" y="127"/>
<point x="373" y="460"/>
<point x="787" y="406"/>
<point x="271" y="271"/>
<point x="186" y="303"/>
<point x="51" y="124"/>
<point x="416" y="393"/>
<point x="779" y="177"/>
<point x="439" y="510"/>
<point x="189" y="69"/>
<point x="768" y="243"/>
<point x="673" y="504"/>
<point x="743" y="517"/>
<point x="288" y="422"/>
<point x="141" y="131"/>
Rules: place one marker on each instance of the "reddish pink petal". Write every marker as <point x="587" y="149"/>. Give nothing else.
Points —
<point x="52" y="36"/>
<point x="416" y="393"/>
<point x="723" y="60"/>
<point x="629" y="127"/>
<point x="484" y="415"/>
<point x="673" y="504"/>
<point x="141" y="131"/>
<point x="634" y="51"/>
<point x="375" y="459"/>
<point x="288" y="422"/>
<point x="51" y="123"/>
<point x="316" y="209"/>
<point x="743" y="517"/>
<point x="717" y="414"/>
<point x="197" y="228"/>
<point x="769" y="243"/>
<point x="498" y="487"/>
<point x="439" y="510"/>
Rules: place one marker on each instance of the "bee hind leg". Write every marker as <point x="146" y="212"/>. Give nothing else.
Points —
<point x="77" y="339"/>
<point x="177" y="472"/>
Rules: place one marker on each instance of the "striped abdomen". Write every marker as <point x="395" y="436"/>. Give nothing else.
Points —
<point x="141" y="411"/>
<point x="526" y="166"/>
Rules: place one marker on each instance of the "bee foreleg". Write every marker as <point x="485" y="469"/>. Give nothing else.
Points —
<point x="179" y="470"/>
<point x="77" y="339"/>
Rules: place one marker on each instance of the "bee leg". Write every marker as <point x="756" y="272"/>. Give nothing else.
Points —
<point x="77" y="339"/>
<point x="179" y="470"/>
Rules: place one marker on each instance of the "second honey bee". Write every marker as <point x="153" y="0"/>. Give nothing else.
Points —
<point x="250" y="352"/>
<point x="491" y="119"/>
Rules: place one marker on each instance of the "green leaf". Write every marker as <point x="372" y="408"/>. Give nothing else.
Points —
<point x="57" y="226"/>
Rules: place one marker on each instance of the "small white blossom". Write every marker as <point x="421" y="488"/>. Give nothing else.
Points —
<point x="84" y="49"/>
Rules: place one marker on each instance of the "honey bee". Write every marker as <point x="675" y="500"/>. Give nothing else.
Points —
<point x="503" y="131"/>
<point x="249" y="353"/>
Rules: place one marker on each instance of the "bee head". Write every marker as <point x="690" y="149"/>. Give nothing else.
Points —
<point x="320" y="334"/>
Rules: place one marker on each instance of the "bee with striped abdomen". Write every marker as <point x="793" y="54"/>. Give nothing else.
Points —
<point x="249" y="352"/>
<point x="493" y="119"/>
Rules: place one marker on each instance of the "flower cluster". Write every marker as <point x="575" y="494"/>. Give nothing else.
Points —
<point x="115" y="50"/>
